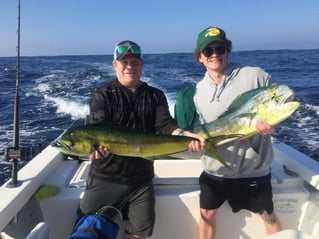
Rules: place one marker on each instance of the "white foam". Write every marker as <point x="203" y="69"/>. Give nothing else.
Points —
<point x="171" y="98"/>
<point x="314" y="108"/>
<point x="43" y="87"/>
<point x="77" y="110"/>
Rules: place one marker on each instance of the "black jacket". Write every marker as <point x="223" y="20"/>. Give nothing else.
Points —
<point x="146" y="110"/>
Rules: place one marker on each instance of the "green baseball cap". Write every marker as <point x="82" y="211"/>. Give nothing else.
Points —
<point x="209" y="35"/>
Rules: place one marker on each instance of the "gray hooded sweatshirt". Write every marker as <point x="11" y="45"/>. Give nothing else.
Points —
<point x="250" y="157"/>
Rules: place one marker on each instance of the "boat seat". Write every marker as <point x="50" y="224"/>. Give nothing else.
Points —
<point x="40" y="231"/>
<point x="290" y="234"/>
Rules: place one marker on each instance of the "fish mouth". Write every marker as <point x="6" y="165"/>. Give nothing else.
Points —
<point x="59" y="144"/>
<point x="288" y="98"/>
<point x="285" y="95"/>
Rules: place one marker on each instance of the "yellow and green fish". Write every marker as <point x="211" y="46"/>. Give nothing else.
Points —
<point x="272" y="104"/>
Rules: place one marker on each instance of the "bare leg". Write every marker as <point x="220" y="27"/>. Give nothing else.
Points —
<point x="271" y="223"/>
<point x="207" y="224"/>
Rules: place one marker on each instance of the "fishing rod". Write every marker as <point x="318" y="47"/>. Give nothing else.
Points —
<point x="14" y="153"/>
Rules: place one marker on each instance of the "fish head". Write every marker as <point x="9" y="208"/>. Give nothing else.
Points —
<point x="275" y="104"/>
<point x="73" y="143"/>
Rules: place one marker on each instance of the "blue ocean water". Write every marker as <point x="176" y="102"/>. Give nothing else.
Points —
<point x="55" y="91"/>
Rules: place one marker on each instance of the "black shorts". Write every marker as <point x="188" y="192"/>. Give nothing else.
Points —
<point x="253" y="194"/>
<point x="137" y="203"/>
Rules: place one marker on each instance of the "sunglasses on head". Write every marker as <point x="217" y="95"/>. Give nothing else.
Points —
<point x="125" y="49"/>
<point x="218" y="50"/>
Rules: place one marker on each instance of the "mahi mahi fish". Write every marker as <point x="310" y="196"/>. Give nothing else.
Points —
<point x="80" y="141"/>
<point x="272" y="104"/>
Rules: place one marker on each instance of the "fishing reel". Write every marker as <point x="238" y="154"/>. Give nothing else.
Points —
<point x="21" y="153"/>
<point x="14" y="155"/>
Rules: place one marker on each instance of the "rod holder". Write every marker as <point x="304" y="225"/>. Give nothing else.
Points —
<point x="14" y="154"/>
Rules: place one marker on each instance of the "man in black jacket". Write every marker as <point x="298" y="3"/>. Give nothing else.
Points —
<point x="126" y="182"/>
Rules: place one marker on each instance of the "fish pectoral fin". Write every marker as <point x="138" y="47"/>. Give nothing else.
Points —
<point x="246" y="115"/>
<point x="213" y="151"/>
<point x="222" y="139"/>
<point x="246" y="136"/>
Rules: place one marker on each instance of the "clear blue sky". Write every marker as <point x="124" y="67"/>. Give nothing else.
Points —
<point x="73" y="27"/>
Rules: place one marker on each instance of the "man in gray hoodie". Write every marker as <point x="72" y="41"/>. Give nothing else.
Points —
<point x="247" y="185"/>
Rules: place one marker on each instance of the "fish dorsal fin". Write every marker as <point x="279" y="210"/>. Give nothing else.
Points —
<point x="242" y="99"/>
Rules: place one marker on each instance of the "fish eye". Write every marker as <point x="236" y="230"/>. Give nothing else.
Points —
<point x="274" y="97"/>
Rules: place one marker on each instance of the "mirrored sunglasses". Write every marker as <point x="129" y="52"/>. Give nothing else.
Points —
<point x="209" y="51"/>
<point x="128" y="49"/>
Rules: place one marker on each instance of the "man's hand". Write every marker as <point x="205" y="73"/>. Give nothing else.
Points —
<point x="195" y="145"/>
<point x="99" y="153"/>
<point x="264" y="128"/>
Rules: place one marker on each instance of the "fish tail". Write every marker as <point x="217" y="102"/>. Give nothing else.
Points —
<point x="213" y="142"/>
<point x="213" y="151"/>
